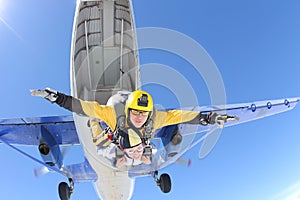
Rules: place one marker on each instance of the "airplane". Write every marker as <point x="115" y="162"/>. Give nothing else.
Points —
<point x="118" y="68"/>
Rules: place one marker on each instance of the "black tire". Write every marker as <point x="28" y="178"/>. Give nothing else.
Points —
<point x="165" y="183"/>
<point x="64" y="191"/>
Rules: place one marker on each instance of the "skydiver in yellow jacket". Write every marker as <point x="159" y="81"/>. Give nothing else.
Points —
<point x="139" y="111"/>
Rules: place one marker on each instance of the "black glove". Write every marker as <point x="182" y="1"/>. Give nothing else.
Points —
<point x="213" y="118"/>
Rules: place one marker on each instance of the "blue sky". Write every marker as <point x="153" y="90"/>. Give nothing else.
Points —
<point x="255" y="46"/>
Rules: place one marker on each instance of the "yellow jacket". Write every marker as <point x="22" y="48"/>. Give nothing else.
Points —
<point x="161" y="118"/>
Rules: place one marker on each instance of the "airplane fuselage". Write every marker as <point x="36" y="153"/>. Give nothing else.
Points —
<point x="103" y="61"/>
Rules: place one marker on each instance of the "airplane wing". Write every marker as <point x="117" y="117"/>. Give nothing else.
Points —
<point x="193" y="134"/>
<point x="27" y="131"/>
<point x="245" y="112"/>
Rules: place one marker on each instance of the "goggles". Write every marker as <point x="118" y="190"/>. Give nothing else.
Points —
<point x="138" y="112"/>
<point x="138" y="149"/>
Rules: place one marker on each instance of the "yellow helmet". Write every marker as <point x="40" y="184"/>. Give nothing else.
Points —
<point x="139" y="100"/>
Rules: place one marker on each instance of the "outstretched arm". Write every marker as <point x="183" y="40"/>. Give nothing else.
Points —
<point x="68" y="102"/>
<point x="165" y="118"/>
<point x="88" y="108"/>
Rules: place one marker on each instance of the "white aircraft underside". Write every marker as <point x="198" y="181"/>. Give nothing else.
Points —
<point x="103" y="61"/>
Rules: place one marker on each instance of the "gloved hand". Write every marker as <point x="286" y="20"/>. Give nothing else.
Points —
<point x="219" y="119"/>
<point x="49" y="94"/>
<point x="213" y="118"/>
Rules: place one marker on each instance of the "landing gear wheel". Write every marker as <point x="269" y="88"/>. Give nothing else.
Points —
<point x="165" y="183"/>
<point x="65" y="190"/>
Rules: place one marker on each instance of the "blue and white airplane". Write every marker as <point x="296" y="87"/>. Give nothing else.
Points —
<point x="104" y="60"/>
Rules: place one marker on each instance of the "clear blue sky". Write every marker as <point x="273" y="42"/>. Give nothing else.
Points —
<point x="255" y="45"/>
